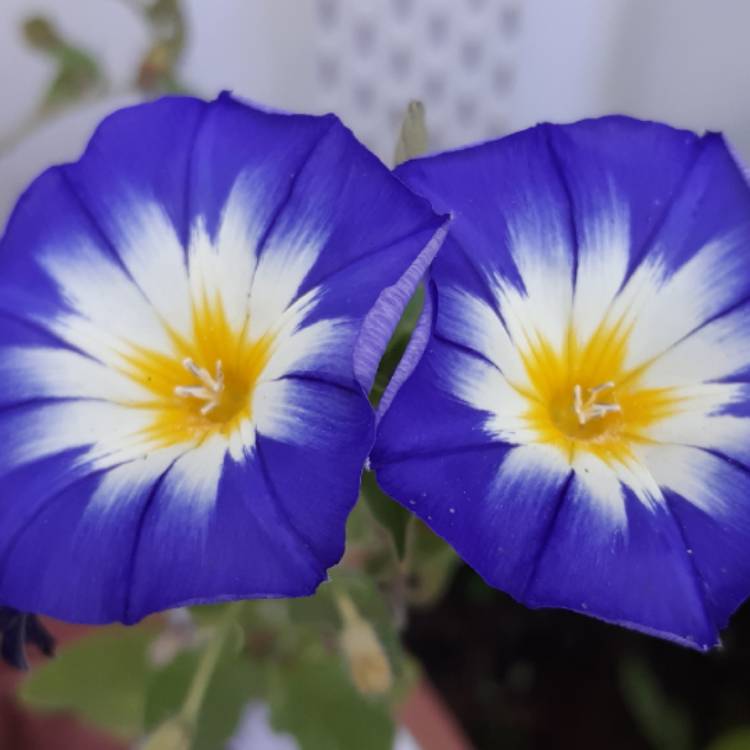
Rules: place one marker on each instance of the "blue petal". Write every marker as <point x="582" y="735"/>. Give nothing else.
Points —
<point x="639" y="576"/>
<point x="488" y="203"/>
<point x="470" y="496"/>
<point x="713" y="516"/>
<point x="93" y="533"/>
<point x="247" y="546"/>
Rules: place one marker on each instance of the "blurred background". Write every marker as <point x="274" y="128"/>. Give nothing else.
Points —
<point x="511" y="678"/>
<point x="482" y="67"/>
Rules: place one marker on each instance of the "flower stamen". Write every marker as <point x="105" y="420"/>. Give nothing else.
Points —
<point x="211" y="390"/>
<point x="590" y="409"/>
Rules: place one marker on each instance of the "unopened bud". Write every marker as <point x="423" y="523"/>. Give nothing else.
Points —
<point x="41" y="34"/>
<point x="368" y="663"/>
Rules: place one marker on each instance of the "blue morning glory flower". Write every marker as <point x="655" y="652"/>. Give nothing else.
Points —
<point x="191" y="317"/>
<point x="578" y="427"/>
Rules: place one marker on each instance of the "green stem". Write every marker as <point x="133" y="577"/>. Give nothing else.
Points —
<point x="197" y="691"/>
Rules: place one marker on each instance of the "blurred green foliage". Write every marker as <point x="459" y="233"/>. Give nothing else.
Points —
<point x="312" y="698"/>
<point x="737" y="739"/>
<point x="77" y="73"/>
<point x="664" y="722"/>
<point x="158" y="70"/>
<point x="286" y="653"/>
<point x="101" y="677"/>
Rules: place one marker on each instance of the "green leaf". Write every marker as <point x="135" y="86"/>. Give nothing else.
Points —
<point x="233" y="684"/>
<point x="313" y="699"/>
<point x="431" y="563"/>
<point x="664" y="723"/>
<point x="412" y="140"/>
<point x="394" y="517"/>
<point x="317" y="612"/>
<point x="167" y="688"/>
<point x="229" y="685"/>
<point x="737" y="739"/>
<point x="77" y="72"/>
<point x="101" y="677"/>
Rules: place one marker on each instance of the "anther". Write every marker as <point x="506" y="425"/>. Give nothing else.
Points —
<point x="211" y="389"/>
<point x="590" y="409"/>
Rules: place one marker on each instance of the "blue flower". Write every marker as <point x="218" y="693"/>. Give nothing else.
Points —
<point x="191" y="316"/>
<point x="578" y="427"/>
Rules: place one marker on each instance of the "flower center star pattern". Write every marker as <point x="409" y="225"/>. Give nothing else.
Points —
<point x="578" y="425"/>
<point x="205" y="385"/>
<point x="583" y="397"/>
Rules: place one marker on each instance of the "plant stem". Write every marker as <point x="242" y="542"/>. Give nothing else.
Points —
<point x="197" y="691"/>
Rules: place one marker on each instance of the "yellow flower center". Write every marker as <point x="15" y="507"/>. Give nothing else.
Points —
<point x="206" y="385"/>
<point x="582" y="396"/>
<point x="582" y="414"/>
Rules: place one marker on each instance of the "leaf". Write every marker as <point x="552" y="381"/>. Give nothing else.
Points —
<point x="431" y="563"/>
<point x="665" y="724"/>
<point x="167" y="688"/>
<point x="78" y="73"/>
<point x="233" y="684"/>
<point x="394" y="517"/>
<point x="230" y="686"/>
<point x="412" y="140"/>
<point x="101" y="678"/>
<point x="313" y="699"/>
<point x="737" y="739"/>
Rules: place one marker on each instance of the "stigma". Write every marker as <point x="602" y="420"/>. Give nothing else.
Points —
<point x="211" y="388"/>
<point x="589" y="408"/>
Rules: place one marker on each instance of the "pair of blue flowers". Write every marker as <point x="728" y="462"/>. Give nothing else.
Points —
<point x="192" y="316"/>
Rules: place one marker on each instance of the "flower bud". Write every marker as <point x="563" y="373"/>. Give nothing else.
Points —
<point x="368" y="663"/>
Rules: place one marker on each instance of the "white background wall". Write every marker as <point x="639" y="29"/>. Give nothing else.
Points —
<point x="683" y="61"/>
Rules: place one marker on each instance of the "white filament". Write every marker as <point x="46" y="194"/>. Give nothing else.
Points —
<point x="590" y="409"/>
<point x="210" y="391"/>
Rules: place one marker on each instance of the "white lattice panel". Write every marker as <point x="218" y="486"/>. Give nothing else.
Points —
<point x="458" y="56"/>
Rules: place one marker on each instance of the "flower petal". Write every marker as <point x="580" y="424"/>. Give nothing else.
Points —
<point x="708" y="496"/>
<point x="640" y="575"/>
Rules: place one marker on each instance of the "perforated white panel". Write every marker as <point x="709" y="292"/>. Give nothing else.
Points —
<point x="457" y="56"/>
